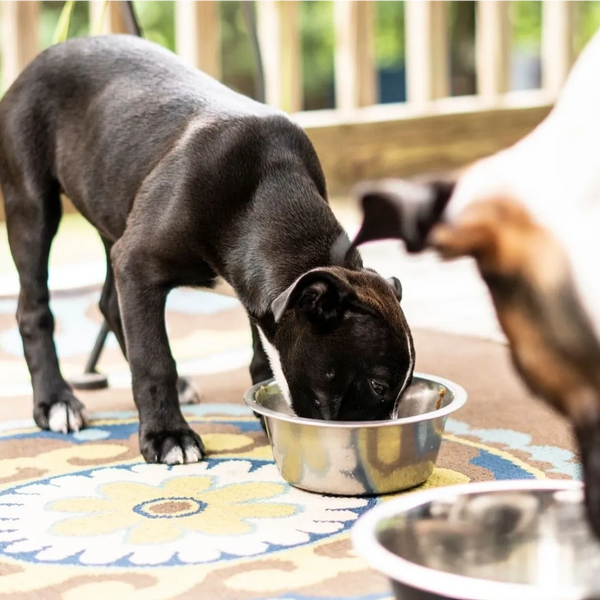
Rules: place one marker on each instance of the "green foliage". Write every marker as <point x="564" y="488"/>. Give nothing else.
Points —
<point x="587" y="22"/>
<point x="526" y="21"/>
<point x="389" y="44"/>
<point x="317" y="53"/>
<point x="50" y="13"/>
<point x="157" y="20"/>
<point x="237" y="54"/>
<point x="61" y="32"/>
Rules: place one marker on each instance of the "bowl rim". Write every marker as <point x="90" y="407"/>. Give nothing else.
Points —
<point x="459" y="393"/>
<point x="433" y="581"/>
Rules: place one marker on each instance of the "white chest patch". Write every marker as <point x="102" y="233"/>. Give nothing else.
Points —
<point x="411" y="368"/>
<point x="276" y="367"/>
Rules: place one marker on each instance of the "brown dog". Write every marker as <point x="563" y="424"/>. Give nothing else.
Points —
<point x="530" y="216"/>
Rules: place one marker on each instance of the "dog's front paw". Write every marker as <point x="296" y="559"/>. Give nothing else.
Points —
<point x="186" y="391"/>
<point x="62" y="414"/>
<point x="172" y="447"/>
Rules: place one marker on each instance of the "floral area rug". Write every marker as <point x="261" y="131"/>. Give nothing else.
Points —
<point x="83" y="517"/>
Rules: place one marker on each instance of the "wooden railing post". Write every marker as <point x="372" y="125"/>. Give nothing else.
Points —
<point x="427" y="55"/>
<point x="111" y="15"/>
<point x="492" y="35"/>
<point x="557" y="43"/>
<point x="279" y="36"/>
<point x="198" y="35"/>
<point x="20" y="37"/>
<point x="355" y="76"/>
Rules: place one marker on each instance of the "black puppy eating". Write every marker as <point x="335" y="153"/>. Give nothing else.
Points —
<point x="187" y="181"/>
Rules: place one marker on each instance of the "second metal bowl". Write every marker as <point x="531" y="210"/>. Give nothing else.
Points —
<point x="495" y="540"/>
<point x="355" y="458"/>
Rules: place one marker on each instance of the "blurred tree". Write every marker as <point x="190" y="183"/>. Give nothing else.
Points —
<point x="316" y="18"/>
<point x="236" y="48"/>
<point x="587" y="21"/>
<point x="526" y="40"/>
<point x="389" y="45"/>
<point x="157" y="20"/>
<point x="526" y="20"/>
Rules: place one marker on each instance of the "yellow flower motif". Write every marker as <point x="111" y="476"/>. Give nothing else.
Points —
<point x="156" y="515"/>
<point x="150" y="515"/>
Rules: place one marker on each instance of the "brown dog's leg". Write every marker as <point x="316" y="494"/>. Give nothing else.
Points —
<point x="585" y="415"/>
<point x="589" y="443"/>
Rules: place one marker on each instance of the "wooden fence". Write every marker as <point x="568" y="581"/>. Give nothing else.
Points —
<point x="359" y="138"/>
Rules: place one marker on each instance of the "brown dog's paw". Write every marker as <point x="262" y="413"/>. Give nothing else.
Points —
<point x="64" y="414"/>
<point x="172" y="447"/>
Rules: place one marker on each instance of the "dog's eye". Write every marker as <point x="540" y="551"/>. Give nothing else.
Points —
<point x="379" y="388"/>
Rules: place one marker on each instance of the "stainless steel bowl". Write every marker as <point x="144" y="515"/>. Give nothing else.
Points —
<point x="355" y="458"/>
<point x="500" y="540"/>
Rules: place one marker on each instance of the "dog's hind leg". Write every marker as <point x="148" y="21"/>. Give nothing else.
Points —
<point x="33" y="212"/>
<point x="109" y="307"/>
<point x="109" y="301"/>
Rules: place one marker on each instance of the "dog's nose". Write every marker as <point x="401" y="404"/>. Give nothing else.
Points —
<point x="328" y="409"/>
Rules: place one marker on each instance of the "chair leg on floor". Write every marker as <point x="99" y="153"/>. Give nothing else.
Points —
<point x="90" y="379"/>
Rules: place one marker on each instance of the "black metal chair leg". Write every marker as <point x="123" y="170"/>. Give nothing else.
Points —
<point x="90" y="379"/>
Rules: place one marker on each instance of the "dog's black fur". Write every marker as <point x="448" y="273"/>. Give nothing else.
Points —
<point x="187" y="181"/>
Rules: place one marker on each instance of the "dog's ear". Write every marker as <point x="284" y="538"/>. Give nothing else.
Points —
<point x="319" y="295"/>
<point x="398" y="209"/>
<point x="396" y="286"/>
<point x="394" y="283"/>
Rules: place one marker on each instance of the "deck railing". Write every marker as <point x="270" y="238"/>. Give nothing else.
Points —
<point x="359" y="138"/>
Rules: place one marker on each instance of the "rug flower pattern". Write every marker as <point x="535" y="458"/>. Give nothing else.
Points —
<point x="231" y="514"/>
<point x="149" y="515"/>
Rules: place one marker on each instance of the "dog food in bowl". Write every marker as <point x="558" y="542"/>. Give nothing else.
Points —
<point x="356" y="458"/>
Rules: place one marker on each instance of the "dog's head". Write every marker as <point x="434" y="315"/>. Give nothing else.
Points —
<point x="345" y="351"/>
<point x="534" y="279"/>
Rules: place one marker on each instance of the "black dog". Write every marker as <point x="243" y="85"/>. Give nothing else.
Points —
<point x="187" y="181"/>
